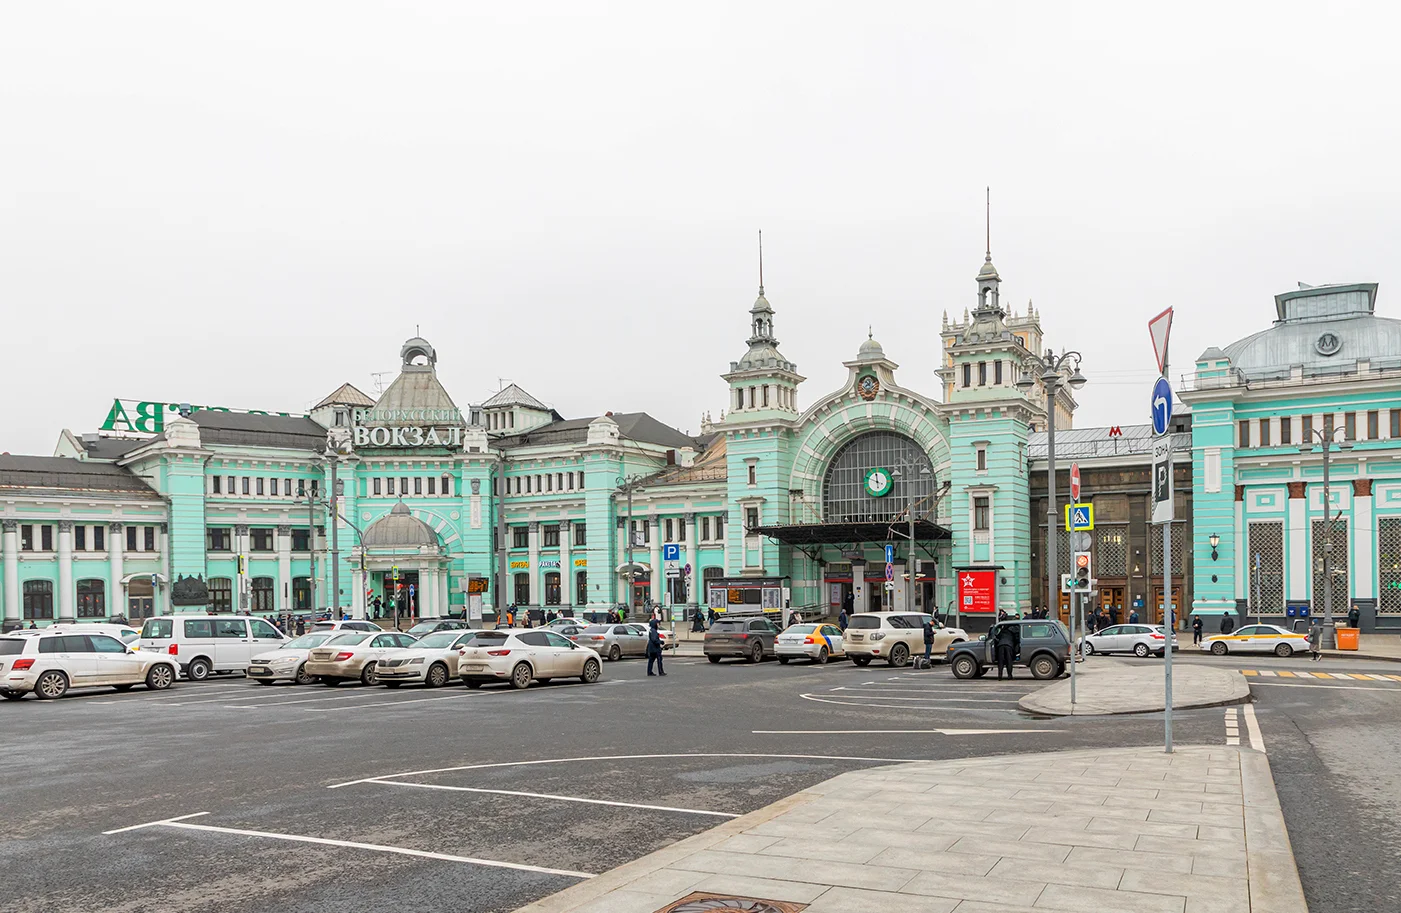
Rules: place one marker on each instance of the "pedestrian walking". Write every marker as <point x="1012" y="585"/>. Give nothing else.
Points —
<point x="1353" y="614"/>
<point x="698" y="621"/>
<point x="713" y="616"/>
<point x="1113" y="615"/>
<point x="654" y="648"/>
<point x="301" y="626"/>
<point x="1005" y="641"/>
<point x="1196" y="629"/>
<point x="849" y="603"/>
<point x="1315" y="642"/>
<point x="1133" y="617"/>
<point x="510" y="616"/>
<point x="928" y="639"/>
<point x="796" y="618"/>
<point x="1228" y="624"/>
<point x="842" y="619"/>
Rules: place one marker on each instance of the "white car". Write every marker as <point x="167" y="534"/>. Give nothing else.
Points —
<point x="353" y="654"/>
<point x="1257" y="639"/>
<point x="523" y="656"/>
<point x="287" y="664"/>
<point x="1140" y="640"/>
<point x="895" y="636"/>
<point x="348" y="624"/>
<point x="431" y="660"/>
<point x="50" y="663"/>
<point x="817" y="642"/>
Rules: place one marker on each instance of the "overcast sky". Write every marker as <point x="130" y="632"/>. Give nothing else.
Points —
<point x="248" y="204"/>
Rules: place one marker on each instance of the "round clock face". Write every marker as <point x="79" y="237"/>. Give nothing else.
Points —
<point x="879" y="482"/>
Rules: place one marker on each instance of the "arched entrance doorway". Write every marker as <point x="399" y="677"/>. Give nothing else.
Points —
<point x="401" y="569"/>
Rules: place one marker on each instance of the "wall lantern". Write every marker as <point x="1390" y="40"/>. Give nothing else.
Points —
<point x="1215" y="540"/>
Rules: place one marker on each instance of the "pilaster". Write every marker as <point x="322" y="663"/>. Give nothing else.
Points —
<point x="116" y="541"/>
<point x="10" y="542"/>
<point x="534" y="575"/>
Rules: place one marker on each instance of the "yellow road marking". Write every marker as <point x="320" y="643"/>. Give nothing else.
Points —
<point x="1361" y="678"/>
<point x="1249" y="672"/>
<point x="1395" y="678"/>
<point x="1287" y="674"/>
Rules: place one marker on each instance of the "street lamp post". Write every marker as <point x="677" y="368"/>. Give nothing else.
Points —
<point x="629" y="484"/>
<point x="1053" y="376"/>
<point x="1328" y="445"/>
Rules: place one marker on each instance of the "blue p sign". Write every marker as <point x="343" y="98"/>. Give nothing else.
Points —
<point x="671" y="552"/>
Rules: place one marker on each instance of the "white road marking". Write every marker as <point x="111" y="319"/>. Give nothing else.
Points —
<point x="869" y="704"/>
<point x="350" y="844"/>
<point x="512" y="792"/>
<point x="137" y="827"/>
<point x="895" y="731"/>
<point x="1252" y="725"/>
<point x="392" y="703"/>
<point x="1328" y="687"/>
<point x="620" y="757"/>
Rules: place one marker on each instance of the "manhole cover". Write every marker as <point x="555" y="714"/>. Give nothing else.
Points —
<point x="718" y="903"/>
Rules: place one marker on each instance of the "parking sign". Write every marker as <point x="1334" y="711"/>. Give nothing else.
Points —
<point x="671" y="552"/>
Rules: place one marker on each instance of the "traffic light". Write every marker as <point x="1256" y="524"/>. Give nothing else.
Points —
<point x="1080" y="571"/>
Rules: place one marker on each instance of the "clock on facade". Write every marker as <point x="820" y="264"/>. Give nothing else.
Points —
<point x="879" y="482"/>
<point x="868" y="387"/>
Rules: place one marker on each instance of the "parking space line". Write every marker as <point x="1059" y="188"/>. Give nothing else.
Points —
<point x="351" y="844"/>
<point x="513" y="792"/>
<point x="395" y="703"/>
<point x="620" y="757"/>
<point x="933" y="697"/>
<point x="896" y="731"/>
<point x="943" y="705"/>
<point x="137" y="827"/>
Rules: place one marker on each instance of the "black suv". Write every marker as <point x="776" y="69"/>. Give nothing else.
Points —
<point x="750" y="637"/>
<point x="1044" y="648"/>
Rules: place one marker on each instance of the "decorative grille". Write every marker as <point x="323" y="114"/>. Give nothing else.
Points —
<point x="1266" y="541"/>
<point x="1389" y="565"/>
<point x="1111" y="551"/>
<point x="1155" y="549"/>
<point x="1337" y="562"/>
<point x="844" y="496"/>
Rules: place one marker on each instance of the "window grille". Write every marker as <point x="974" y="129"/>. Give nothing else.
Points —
<point x="844" y="495"/>
<point x="1389" y="566"/>
<point x="1266" y="591"/>
<point x="1337" y="564"/>
<point x="1111" y="551"/>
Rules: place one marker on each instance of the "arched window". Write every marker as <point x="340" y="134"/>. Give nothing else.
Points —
<point x="263" y="592"/>
<point x="92" y="602"/>
<point x="552" y="594"/>
<point x="38" y="599"/>
<point x="220" y="594"/>
<point x="845" y="495"/>
<point x="581" y="588"/>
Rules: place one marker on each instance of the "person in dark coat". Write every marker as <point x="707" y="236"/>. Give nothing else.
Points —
<point x="849" y="603"/>
<point x="698" y="621"/>
<point x="301" y="626"/>
<point x="842" y="620"/>
<point x="654" y="648"/>
<point x="1196" y="629"/>
<point x="1005" y="644"/>
<point x="928" y="638"/>
<point x="1113" y="615"/>
<point x="1352" y="616"/>
<point x="1133" y="617"/>
<point x="1228" y="624"/>
<point x="1315" y="642"/>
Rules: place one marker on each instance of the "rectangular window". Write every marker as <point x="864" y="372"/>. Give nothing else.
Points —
<point x="997" y="372"/>
<point x="1329" y="426"/>
<point x="751" y="518"/>
<point x="523" y="591"/>
<point x="980" y="513"/>
<point x="751" y="397"/>
<point x="231" y="488"/>
<point x="581" y="594"/>
<point x="1350" y="426"/>
<point x="389" y="486"/>
<point x="315" y="488"/>
<point x="261" y="540"/>
<point x="246" y="487"/>
<point x="580" y="536"/>
<point x="418" y="485"/>
<point x="99" y="538"/>
<point x="403" y="485"/>
<point x="559" y="481"/>
<point x="551" y="535"/>
<point x="1395" y="424"/>
<point x="220" y="600"/>
<point x="520" y="537"/>
<point x="1244" y="434"/>
<point x="287" y="488"/>
<point x="301" y="488"/>
<point x="148" y="538"/>
<point x="1286" y="430"/>
<point x="447" y="486"/>
<point x="527" y="485"/>
<point x="433" y="490"/>
<point x="669" y="531"/>
<point x="766" y="394"/>
<point x="720" y="527"/>
<point x="982" y="374"/>
<point x="982" y="459"/>
<point x="1373" y="426"/>
<point x="46" y="538"/>
<point x="1306" y="429"/>
<point x="376" y="488"/>
<point x="967" y="375"/>
<point x="216" y="484"/>
<point x="549" y="481"/>
<point x="680" y="530"/>
<point x="753" y="474"/>
<point x="219" y="539"/>
<point x="258" y="485"/>
<point x="1264" y="432"/>
<point x="301" y="540"/>
<point x="739" y="397"/>
<point x="705" y="533"/>
<point x="131" y="538"/>
<point x="80" y="543"/>
<point x="26" y="542"/>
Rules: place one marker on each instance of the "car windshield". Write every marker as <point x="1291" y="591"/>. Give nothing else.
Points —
<point x="10" y="646"/>
<point x="306" y="641"/>
<point x="438" y="640"/>
<point x="350" y="637"/>
<point x="727" y="625"/>
<point x="801" y="629"/>
<point x="863" y="621"/>
<point x="489" y="638"/>
<point x="597" y="629"/>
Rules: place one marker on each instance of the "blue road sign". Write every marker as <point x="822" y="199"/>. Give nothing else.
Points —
<point x="889" y="554"/>
<point x="890" y="572"/>
<point x="1161" y="405"/>
<point x="671" y="552"/>
<point x="1081" y="517"/>
<point x="411" y="589"/>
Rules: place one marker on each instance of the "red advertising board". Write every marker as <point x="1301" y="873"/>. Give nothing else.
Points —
<point x="977" y="591"/>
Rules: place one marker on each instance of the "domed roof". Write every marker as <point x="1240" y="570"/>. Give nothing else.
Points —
<point x="398" y="529"/>
<point x="870" y="350"/>
<point x="1316" y="345"/>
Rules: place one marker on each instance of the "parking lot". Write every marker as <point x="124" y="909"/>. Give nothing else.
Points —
<point x="227" y="796"/>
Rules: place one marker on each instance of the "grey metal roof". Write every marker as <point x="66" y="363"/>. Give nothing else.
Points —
<point x="1274" y="352"/>
<point x="66" y="474"/>
<point x="634" y="426"/>
<point x="112" y="448"/>
<point x="512" y="395"/>
<point x="398" y="529"/>
<point x="295" y="432"/>
<point x="346" y="394"/>
<point x="1090" y="443"/>
<point x="417" y="387"/>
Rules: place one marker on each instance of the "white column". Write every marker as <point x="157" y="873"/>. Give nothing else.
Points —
<point x="358" y="606"/>
<point x="116" y="541"/>
<point x="1242" y="572"/>
<point x="897" y="601"/>
<point x="566" y="573"/>
<point x="1297" y="554"/>
<point x="240" y="579"/>
<point x="858" y="586"/>
<point x="693" y="582"/>
<point x="534" y="542"/>
<point x="1364" y="547"/>
<point x="66" y="594"/>
<point x="10" y="543"/>
<point x="161" y="605"/>
<point x="656" y="540"/>
<point x="284" y="569"/>
<point x="444" y="601"/>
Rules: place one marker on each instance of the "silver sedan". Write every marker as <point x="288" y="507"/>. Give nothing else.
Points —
<point x="614" y="641"/>
<point x="288" y="662"/>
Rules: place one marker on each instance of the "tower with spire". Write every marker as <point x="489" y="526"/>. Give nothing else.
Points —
<point x="763" y="384"/>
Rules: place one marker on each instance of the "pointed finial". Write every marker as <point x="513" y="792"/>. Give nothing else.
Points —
<point x="870" y="333"/>
<point x="761" y="263"/>
<point x="988" y="224"/>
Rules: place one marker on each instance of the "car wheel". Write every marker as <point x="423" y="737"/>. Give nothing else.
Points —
<point x="368" y="675"/>
<point x="1284" y="650"/>
<point x="1140" y="650"/>
<point x="861" y="660"/>
<point x="521" y="676"/>
<point x="756" y="655"/>
<point x="1043" y="667"/>
<point x="965" y="667"/>
<point x="11" y="695"/>
<point x="899" y="655"/>
<point x="472" y="683"/>
<point x="783" y="660"/>
<point x="615" y="653"/>
<point x="822" y="657"/>
<point x="161" y="677"/>
<point x="198" y="670"/>
<point x="591" y="672"/>
<point x="124" y="687"/>
<point x="329" y="681"/>
<point x="437" y="675"/>
<point x="301" y="677"/>
<point x="713" y="659"/>
<point x="1087" y="648"/>
<point x="1219" y="648"/>
<point x="50" y="685"/>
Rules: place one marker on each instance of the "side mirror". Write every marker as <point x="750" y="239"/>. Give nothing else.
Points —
<point x="982" y="637"/>
<point x="573" y="645"/>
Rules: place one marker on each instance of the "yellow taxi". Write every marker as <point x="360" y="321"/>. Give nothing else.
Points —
<point x="1257" y="639"/>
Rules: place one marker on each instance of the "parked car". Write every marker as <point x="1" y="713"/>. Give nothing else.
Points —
<point x="613" y="641"/>
<point x="817" y="642"/>
<point x="1140" y="640"/>
<point x="431" y="660"/>
<point x="202" y="644"/>
<point x="437" y="624"/>
<point x="524" y="656"/>
<point x="55" y="661"/>
<point x="349" y="624"/>
<point x="747" y="636"/>
<point x="127" y="634"/>
<point x="564" y="622"/>
<point x="1257" y="639"/>
<point x="1044" y="649"/>
<point x="353" y="654"/>
<point x="895" y="637"/>
<point x="287" y="663"/>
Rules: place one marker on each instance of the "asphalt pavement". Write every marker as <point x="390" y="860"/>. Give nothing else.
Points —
<point x="355" y="798"/>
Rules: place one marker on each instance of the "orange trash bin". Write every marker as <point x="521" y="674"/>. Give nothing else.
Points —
<point x="1347" y="638"/>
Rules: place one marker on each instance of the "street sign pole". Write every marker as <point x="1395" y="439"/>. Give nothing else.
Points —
<point x="1159" y="329"/>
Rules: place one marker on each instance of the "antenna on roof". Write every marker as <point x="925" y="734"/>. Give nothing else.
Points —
<point x="987" y="222"/>
<point x="761" y="263"/>
<point x="379" y="381"/>
<point x="501" y="383"/>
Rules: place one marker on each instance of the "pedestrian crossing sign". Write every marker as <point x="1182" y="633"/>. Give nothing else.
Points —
<point x="1079" y="517"/>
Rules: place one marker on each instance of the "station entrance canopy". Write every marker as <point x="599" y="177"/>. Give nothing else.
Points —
<point x="806" y="535"/>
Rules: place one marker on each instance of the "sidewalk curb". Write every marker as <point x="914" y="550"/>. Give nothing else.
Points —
<point x="1271" y="870"/>
<point x="1056" y="704"/>
<point x="1355" y="654"/>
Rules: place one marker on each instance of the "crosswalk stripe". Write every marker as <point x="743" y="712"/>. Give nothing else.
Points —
<point x="1395" y="678"/>
<point x="1360" y="678"/>
<point x="1378" y="678"/>
<point x="1285" y="674"/>
<point x="1268" y="672"/>
<point x="1304" y="675"/>
<point x="1249" y="672"/>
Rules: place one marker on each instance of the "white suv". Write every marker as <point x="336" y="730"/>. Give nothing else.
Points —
<point x="50" y="663"/>
<point x="895" y="636"/>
